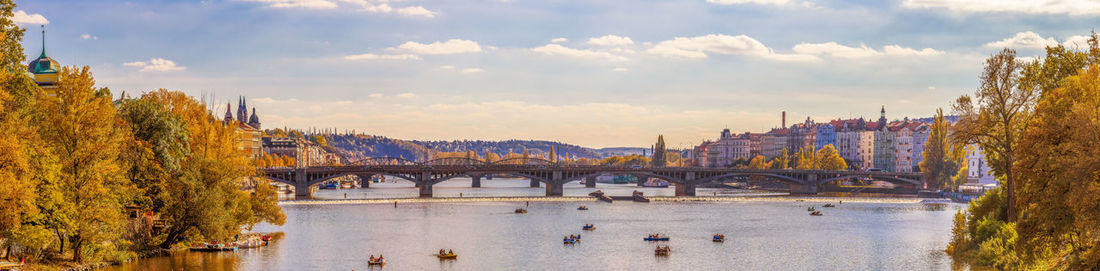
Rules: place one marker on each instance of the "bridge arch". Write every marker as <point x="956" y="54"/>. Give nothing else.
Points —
<point x="454" y="161"/>
<point x="779" y="177"/>
<point x="385" y="161"/>
<point x="895" y="180"/>
<point x="523" y="161"/>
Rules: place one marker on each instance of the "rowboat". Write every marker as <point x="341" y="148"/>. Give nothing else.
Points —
<point x="213" y="248"/>
<point x="569" y="241"/>
<point x="448" y="256"/>
<point x="654" y="238"/>
<point x="719" y="238"/>
<point x="376" y="262"/>
<point x="662" y="251"/>
<point x="582" y="208"/>
<point x="521" y="211"/>
<point x="815" y="213"/>
<point x="589" y="227"/>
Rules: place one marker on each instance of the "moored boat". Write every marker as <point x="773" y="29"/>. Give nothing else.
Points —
<point x="206" y="247"/>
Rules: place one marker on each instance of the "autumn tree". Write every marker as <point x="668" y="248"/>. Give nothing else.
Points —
<point x="827" y="158"/>
<point x="994" y="118"/>
<point x="553" y="156"/>
<point x="941" y="160"/>
<point x="79" y="124"/>
<point x="805" y="159"/>
<point x="783" y="161"/>
<point x="759" y="162"/>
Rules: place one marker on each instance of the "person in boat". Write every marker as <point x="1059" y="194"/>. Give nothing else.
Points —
<point x="380" y="257"/>
<point x="450" y="252"/>
<point x="442" y="252"/>
<point x="372" y="257"/>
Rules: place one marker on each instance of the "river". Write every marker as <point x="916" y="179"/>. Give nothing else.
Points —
<point x="762" y="233"/>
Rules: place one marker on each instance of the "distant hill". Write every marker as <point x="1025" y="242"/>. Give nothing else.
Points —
<point x="358" y="147"/>
<point x="622" y="151"/>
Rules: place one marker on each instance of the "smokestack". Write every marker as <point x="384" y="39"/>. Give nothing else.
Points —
<point x="784" y="120"/>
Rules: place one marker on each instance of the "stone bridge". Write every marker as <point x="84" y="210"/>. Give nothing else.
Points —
<point x="554" y="175"/>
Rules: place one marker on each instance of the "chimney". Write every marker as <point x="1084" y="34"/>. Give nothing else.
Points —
<point x="784" y="120"/>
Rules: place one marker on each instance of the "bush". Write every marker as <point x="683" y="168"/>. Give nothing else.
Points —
<point x="1000" y="249"/>
<point x="33" y="239"/>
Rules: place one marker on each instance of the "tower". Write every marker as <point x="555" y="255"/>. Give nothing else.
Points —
<point x="228" y="114"/>
<point x="44" y="69"/>
<point x="254" y="120"/>
<point x="242" y="111"/>
<point x="882" y="119"/>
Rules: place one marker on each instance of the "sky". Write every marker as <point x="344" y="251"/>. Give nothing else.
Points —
<point x="593" y="73"/>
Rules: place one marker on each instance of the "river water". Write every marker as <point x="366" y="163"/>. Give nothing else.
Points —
<point x="762" y="234"/>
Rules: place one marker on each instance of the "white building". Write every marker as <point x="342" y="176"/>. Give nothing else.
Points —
<point x="728" y="149"/>
<point x="920" y="138"/>
<point x="978" y="170"/>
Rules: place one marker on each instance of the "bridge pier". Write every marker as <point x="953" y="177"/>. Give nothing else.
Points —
<point x="641" y="179"/>
<point x="590" y="181"/>
<point x="555" y="186"/>
<point x="686" y="188"/>
<point x="301" y="184"/>
<point x="364" y="181"/>
<point x="476" y="181"/>
<point x="425" y="190"/>
<point x="424" y="182"/>
<point x="534" y="183"/>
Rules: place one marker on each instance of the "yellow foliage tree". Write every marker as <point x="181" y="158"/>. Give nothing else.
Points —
<point x="827" y="158"/>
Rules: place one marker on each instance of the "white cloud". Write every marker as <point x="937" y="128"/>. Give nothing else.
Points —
<point x="416" y="11"/>
<point x="758" y="2"/>
<point x="382" y="57"/>
<point x="610" y="40"/>
<point x="698" y="47"/>
<point x="472" y="70"/>
<point x="1069" y="7"/>
<point x="375" y="95"/>
<point x="21" y="17"/>
<point x="1077" y="42"/>
<point x="619" y="69"/>
<point x="406" y="95"/>
<point x="87" y="36"/>
<point x="555" y="49"/>
<point x="446" y="67"/>
<point x="1023" y="40"/>
<point x="156" y="65"/>
<point x="559" y="40"/>
<point x="833" y="49"/>
<point x="310" y="4"/>
<point x="453" y="46"/>
<point x="380" y="6"/>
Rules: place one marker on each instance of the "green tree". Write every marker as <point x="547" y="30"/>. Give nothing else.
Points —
<point x="158" y="147"/>
<point x="941" y="161"/>
<point x="994" y="118"/>
<point x="11" y="50"/>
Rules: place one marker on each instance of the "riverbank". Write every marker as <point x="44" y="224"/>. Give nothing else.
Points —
<point x="772" y="197"/>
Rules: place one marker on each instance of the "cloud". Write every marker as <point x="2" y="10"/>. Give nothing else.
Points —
<point x="559" y="40"/>
<point x="555" y="49"/>
<point x="1077" y="42"/>
<point x="453" y="46"/>
<point x="1068" y="7"/>
<point x="698" y="47"/>
<point x="382" y="57"/>
<point x="375" y="95"/>
<point x="156" y="65"/>
<point x="472" y="70"/>
<point x="446" y="67"/>
<point x="309" y="4"/>
<point x="87" y="36"/>
<point x="21" y="17"/>
<point x="383" y="7"/>
<point x="619" y="69"/>
<point x="406" y="95"/>
<point x="834" y="49"/>
<point x="610" y="40"/>
<point x="758" y="2"/>
<point x="1023" y="40"/>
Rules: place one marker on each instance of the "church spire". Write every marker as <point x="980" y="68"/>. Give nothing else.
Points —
<point x="43" y="42"/>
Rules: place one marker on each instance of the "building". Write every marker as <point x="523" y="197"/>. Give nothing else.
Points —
<point x="699" y="154"/>
<point x="978" y="170"/>
<point x="773" y="142"/>
<point x="903" y="145"/>
<point x="728" y="149"/>
<point x="885" y="149"/>
<point x="248" y="129"/>
<point x="826" y="135"/>
<point x="853" y="141"/>
<point x="44" y="69"/>
<point x="920" y="138"/>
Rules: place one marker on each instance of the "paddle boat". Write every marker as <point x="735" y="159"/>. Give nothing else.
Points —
<point x="583" y="208"/>
<point x="718" y="238"/>
<point x="521" y="211"/>
<point x="811" y="209"/>
<point x="662" y="251"/>
<point x="656" y="237"/>
<point x="449" y="255"/>
<point x="569" y="241"/>
<point x="828" y="205"/>
<point x="376" y="261"/>
<point x="589" y="227"/>
<point x="815" y="213"/>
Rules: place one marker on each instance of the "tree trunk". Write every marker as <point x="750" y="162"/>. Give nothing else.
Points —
<point x="60" y="242"/>
<point x="77" y="254"/>
<point x="171" y="238"/>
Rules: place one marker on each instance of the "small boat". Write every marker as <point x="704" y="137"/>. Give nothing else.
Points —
<point x="330" y="186"/>
<point x="206" y="247"/>
<point x="655" y="183"/>
<point x="828" y="205"/>
<point x="662" y="251"/>
<point x="582" y="208"/>
<point x="447" y="256"/>
<point x="605" y="198"/>
<point x="589" y="227"/>
<point x="378" y="261"/>
<point x="569" y="241"/>
<point x="815" y="213"/>
<point x="655" y="237"/>
<point x="811" y="209"/>
<point x="719" y="238"/>
<point x="639" y="196"/>
<point x="521" y="211"/>
<point x="597" y="193"/>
